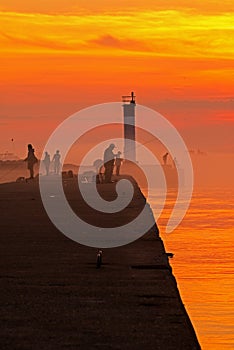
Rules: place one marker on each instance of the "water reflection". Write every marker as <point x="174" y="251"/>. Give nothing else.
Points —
<point x="203" y="264"/>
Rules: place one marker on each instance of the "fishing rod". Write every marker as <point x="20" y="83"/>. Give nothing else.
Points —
<point x="139" y="145"/>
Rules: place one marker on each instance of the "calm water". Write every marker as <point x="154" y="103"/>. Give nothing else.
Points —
<point x="204" y="264"/>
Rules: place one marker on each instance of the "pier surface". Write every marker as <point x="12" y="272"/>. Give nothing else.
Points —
<point x="53" y="296"/>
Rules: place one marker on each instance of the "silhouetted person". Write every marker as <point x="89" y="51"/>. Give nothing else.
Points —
<point x="165" y="158"/>
<point x="56" y="160"/>
<point x="31" y="160"/>
<point x="109" y="161"/>
<point x="118" y="162"/>
<point x="46" y="162"/>
<point x="98" y="164"/>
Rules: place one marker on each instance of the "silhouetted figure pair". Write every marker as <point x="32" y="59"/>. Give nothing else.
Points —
<point x="109" y="162"/>
<point x="31" y="160"/>
<point x="56" y="160"/>
<point x="46" y="162"/>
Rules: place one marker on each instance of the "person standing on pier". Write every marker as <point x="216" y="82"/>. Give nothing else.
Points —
<point x="56" y="160"/>
<point x="46" y="162"/>
<point x="31" y="160"/>
<point x="109" y="161"/>
<point x="118" y="162"/>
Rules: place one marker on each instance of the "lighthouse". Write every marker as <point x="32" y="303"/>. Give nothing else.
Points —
<point x="129" y="105"/>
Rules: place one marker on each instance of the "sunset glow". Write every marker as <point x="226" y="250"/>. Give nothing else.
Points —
<point x="57" y="58"/>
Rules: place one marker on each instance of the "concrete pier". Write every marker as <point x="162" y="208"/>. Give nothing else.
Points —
<point x="53" y="296"/>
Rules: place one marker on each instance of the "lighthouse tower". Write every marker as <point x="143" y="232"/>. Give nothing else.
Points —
<point x="129" y="105"/>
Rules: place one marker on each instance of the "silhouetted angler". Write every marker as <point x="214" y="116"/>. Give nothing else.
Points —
<point x="46" y="162"/>
<point x="31" y="160"/>
<point x="98" y="164"/>
<point x="118" y="162"/>
<point x="56" y="160"/>
<point x="109" y="161"/>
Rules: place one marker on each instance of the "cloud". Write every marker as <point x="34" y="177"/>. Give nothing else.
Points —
<point x="223" y="118"/>
<point x="166" y="33"/>
<point x="29" y="41"/>
<point x="123" y="44"/>
<point x="74" y="6"/>
<point x="200" y="104"/>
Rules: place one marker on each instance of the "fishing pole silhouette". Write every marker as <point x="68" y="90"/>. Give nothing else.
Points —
<point x="139" y="145"/>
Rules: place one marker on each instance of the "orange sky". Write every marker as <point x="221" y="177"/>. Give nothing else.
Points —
<point x="59" y="56"/>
